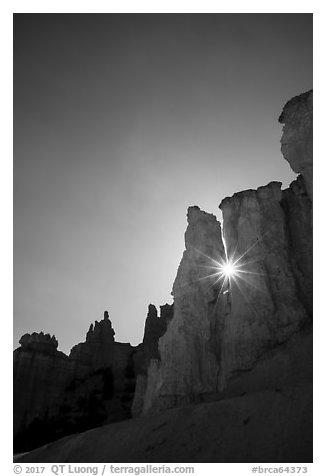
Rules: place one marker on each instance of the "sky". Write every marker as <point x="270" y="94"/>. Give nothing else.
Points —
<point x="122" y="121"/>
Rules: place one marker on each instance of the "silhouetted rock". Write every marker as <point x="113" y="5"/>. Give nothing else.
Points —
<point x="39" y="342"/>
<point x="40" y="376"/>
<point x="166" y="313"/>
<point x="56" y="395"/>
<point x="297" y="138"/>
<point x="155" y="327"/>
<point x="97" y="351"/>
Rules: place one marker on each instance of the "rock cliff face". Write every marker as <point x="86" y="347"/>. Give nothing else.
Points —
<point x="297" y="207"/>
<point x="267" y="307"/>
<point x="297" y="138"/>
<point x="55" y="395"/>
<point x="218" y="333"/>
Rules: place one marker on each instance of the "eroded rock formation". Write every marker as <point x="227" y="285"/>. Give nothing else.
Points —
<point x="216" y="336"/>
<point x="41" y="342"/>
<point x="40" y="376"/>
<point x="243" y="342"/>
<point x="266" y="305"/>
<point x="188" y="361"/>
<point x="297" y="137"/>
<point x="55" y="395"/>
<point x="155" y="327"/>
<point x="97" y="351"/>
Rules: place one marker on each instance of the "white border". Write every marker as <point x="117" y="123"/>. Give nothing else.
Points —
<point x="96" y="6"/>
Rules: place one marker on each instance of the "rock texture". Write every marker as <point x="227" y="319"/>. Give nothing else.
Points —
<point x="188" y="362"/>
<point x="218" y="334"/>
<point x="297" y="138"/>
<point x="266" y="305"/>
<point x="55" y="395"/>
<point x="297" y="207"/>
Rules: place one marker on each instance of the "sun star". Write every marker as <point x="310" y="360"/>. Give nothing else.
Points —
<point x="229" y="269"/>
<point x="234" y="270"/>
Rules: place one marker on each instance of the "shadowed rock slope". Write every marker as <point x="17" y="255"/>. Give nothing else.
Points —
<point x="271" y="426"/>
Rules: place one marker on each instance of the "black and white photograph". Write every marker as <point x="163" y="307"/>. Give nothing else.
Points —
<point x="163" y="238"/>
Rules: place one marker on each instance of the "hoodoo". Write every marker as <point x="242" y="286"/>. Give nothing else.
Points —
<point x="225" y="373"/>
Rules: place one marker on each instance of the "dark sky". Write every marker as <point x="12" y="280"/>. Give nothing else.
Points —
<point x="120" y="123"/>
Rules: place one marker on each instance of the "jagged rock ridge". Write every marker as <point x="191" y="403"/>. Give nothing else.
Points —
<point x="97" y="351"/>
<point x="56" y="394"/>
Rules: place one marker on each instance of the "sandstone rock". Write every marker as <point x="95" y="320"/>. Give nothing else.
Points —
<point x="39" y="342"/>
<point x="97" y="351"/>
<point x="265" y="306"/>
<point x="214" y="336"/>
<point x="297" y="207"/>
<point x="188" y="362"/>
<point x="155" y="327"/>
<point x="56" y="395"/>
<point x="297" y="138"/>
<point x="166" y="313"/>
<point x="219" y="333"/>
<point x="139" y="395"/>
<point x="40" y="376"/>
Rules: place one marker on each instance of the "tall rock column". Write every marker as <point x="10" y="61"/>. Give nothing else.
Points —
<point x="188" y="364"/>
